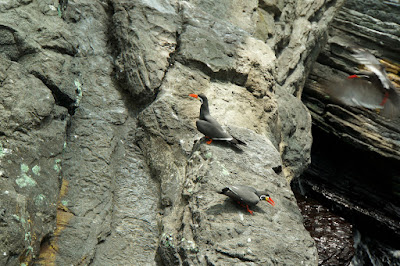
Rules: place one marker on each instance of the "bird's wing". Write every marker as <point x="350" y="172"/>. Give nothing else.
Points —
<point x="356" y="92"/>
<point x="391" y="109"/>
<point x="212" y="129"/>
<point x="246" y="194"/>
<point x="232" y="193"/>
<point x="369" y="60"/>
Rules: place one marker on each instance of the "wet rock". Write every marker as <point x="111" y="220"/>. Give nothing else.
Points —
<point x="332" y="233"/>
<point x="370" y="250"/>
<point x="363" y="184"/>
<point x="362" y="128"/>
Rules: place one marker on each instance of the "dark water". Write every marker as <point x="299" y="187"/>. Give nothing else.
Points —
<point x="339" y="240"/>
<point x="350" y="201"/>
<point x="332" y="234"/>
<point x="370" y="251"/>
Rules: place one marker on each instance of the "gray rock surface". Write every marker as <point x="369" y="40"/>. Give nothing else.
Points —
<point x="135" y="186"/>
<point x="32" y="137"/>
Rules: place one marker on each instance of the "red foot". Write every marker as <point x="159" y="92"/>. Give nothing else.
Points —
<point x="250" y="211"/>
<point x="385" y="98"/>
<point x="209" y="140"/>
<point x="245" y="206"/>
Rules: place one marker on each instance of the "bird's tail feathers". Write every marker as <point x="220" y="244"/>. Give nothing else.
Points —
<point x="223" y="190"/>
<point x="391" y="109"/>
<point x="237" y="141"/>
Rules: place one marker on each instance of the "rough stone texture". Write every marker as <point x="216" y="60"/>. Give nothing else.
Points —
<point x="146" y="36"/>
<point x="200" y="226"/>
<point x="374" y="33"/>
<point x="357" y="165"/>
<point x="32" y="137"/>
<point x="135" y="188"/>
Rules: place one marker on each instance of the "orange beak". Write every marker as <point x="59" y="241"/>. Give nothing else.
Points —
<point x="194" y="95"/>
<point x="270" y="201"/>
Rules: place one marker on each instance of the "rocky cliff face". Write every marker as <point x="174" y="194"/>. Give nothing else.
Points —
<point x="356" y="150"/>
<point x="99" y="158"/>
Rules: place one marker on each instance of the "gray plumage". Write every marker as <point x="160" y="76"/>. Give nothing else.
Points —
<point x="367" y="59"/>
<point x="372" y="89"/>
<point x="209" y="126"/>
<point x="244" y="194"/>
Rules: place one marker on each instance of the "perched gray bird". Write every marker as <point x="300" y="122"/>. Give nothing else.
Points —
<point x="209" y="126"/>
<point x="371" y="89"/>
<point x="246" y="195"/>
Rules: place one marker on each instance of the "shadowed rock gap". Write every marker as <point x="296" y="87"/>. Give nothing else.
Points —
<point x="61" y="98"/>
<point x="363" y="181"/>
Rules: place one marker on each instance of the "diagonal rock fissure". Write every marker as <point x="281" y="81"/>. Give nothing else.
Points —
<point x="61" y="98"/>
<point x="235" y="256"/>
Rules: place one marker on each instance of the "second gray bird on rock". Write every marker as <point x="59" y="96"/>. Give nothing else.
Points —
<point x="246" y="195"/>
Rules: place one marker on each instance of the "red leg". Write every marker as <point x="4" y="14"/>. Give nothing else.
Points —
<point x="245" y="206"/>
<point x="384" y="99"/>
<point x="209" y="140"/>
<point x="250" y="211"/>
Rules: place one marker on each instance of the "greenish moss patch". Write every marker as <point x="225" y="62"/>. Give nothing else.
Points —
<point x="57" y="166"/>
<point x="39" y="199"/>
<point x="225" y="172"/>
<point x="24" y="168"/>
<point x="25" y="180"/>
<point x="36" y="170"/>
<point x="78" y="92"/>
<point x="28" y="236"/>
<point x="19" y="219"/>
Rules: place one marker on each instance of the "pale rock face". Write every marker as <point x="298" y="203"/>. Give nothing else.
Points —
<point x="96" y="112"/>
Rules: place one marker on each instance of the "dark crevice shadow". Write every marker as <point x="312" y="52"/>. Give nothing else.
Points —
<point x="134" y="103"/>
